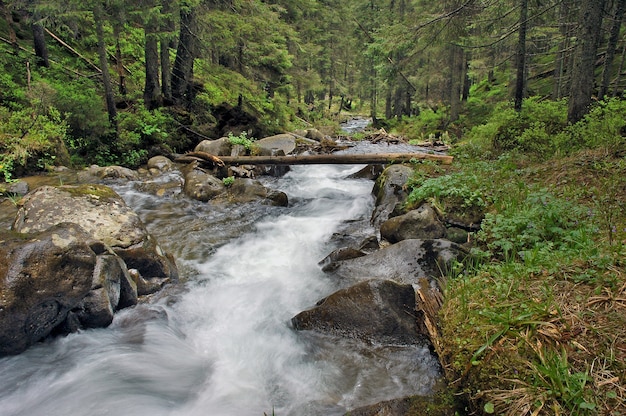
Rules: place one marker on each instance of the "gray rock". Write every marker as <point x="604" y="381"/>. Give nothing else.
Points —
<point x="219" y="147"/>
<point x="285" y="142"/>
<point x="404" y="262"/>
<point x="104" y="215"/>
<point x="422" y="223"/>
<point x="389" y="192"/>
<point x="159" y="164"/>
<point x="201" y="185"/>
<point x="42" y="278"/>
<point x="374" y="311"/>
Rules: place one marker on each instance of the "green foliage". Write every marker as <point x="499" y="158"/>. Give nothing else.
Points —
<point x="554" y="376"/>
<point x="228" y="181"/>
<point x="538" y="222"/>
<point x="464" y="190"/>
<point x="242" y="139"/>
<point x="533" y="130"/>
<point x="429" y="122"/>
<point x="604" y="126"/>
<point x="27" y="138"/>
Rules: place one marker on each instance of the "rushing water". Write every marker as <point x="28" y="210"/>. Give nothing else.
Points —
<point x="220" y="343"/>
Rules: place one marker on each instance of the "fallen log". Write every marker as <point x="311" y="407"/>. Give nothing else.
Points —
<point x="336" y="159"/>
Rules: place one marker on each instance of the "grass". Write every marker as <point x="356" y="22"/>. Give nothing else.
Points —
<point x="535" y="321"/>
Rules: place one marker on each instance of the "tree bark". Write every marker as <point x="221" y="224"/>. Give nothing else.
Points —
<point x="521" y="56"/>
<point x="456" y="71"/>
<point x="39" y="43"/>
<point x="98" y="15"/>
<point x="185" y="55"/>
<point x="611" y="47"/>
<point x="581" y="90"/>
<point x="151" y="86"/>
<point x="166" y="43"/>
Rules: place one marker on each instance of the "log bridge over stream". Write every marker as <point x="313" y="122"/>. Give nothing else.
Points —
<point x="319" y="159"/>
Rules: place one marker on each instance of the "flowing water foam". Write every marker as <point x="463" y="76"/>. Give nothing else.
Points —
<point x="223" y="344"/>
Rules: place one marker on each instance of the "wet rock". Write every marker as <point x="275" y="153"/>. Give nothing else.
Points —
<point x="201" y="185"/>
<point x="159" y="164"/>
<point x="371" y="172"/>
<point x="421" y="223"/>
<point x="404" y="262"/>
<point x="114" y="172"/>
<point x="104" y="215"/>
<point x="219" y="147"/>
<point x="395" y="407"/>
<point x="343" y="253"/>
<point x="109" y="292"/>
<point x="389" y="192"/>
<point x="42" y="277"/>
<point x="374" y="311"/>
<point x="245" y="190"/>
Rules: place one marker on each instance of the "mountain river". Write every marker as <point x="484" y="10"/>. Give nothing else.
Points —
<point x="220" y="343"/>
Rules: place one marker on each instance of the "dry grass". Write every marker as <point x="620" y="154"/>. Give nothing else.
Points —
<point x="551" y="342"/>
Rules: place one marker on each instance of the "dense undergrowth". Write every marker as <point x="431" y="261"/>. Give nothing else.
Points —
<point x="534" y="320"/>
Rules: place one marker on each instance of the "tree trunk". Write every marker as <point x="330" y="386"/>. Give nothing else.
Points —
<point x="619" y="72"/>
<point x="611" y="47"/>
<point x="521" y="56"/>
<point x="560" y="61"/>
<point x="185" y="54"/>
<point x="319" y="159"/>
<point x="456" y="71"/>
<point x="167" y="30"/>
<point x="119" y="62"/>
<point x="151" y="87"/>
<point x="39" y="42"/>
<point x="98" y="15"/>
<point x="581" y="89"/>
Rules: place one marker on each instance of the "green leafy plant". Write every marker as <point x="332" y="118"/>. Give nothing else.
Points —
<point x="242" y="139"/>
<point x="228" y="181"/>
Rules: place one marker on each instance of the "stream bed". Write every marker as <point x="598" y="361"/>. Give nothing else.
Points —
<point x="220" y="343"/>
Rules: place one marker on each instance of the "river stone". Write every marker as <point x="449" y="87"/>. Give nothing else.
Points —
<point x="42" y="277"/>
<point x="374" y="311"/>
<point x="389" y="192"/>
<point x="371" y="172"/>
<point x="106" y="218"/>
<point x="394" y="407"/>
<point x="314" y="134"/>
<point x="159" y="164"/>
<point x="285" y="142"/>
<point x="245" y="190"/>
<point x="112" y="289"/>
<point x="201" y="185"/>
<point x="421" y="223"/>
<point x="219" y="147"/>
<point x="404" y="262"/>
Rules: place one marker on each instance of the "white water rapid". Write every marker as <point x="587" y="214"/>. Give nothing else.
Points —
<point x="221" y="343"/>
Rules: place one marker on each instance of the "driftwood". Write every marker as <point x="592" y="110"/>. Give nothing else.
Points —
<point x="336" y="159"/>
<point x="200" y="157"/>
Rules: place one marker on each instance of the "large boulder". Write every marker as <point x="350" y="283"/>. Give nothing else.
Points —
<point x="219" y="147"/>
<point x="104" y="215"/>
<point x="374" y="311"/>
<point x="421" y="223"/>
<point x="404" y="262"/>
<point x="390" y="193"/>
<point x="285" y="142"/>
<point x="42" y="277"/>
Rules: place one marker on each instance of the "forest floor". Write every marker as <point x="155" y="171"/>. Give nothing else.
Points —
<point x="540" y="327"/>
